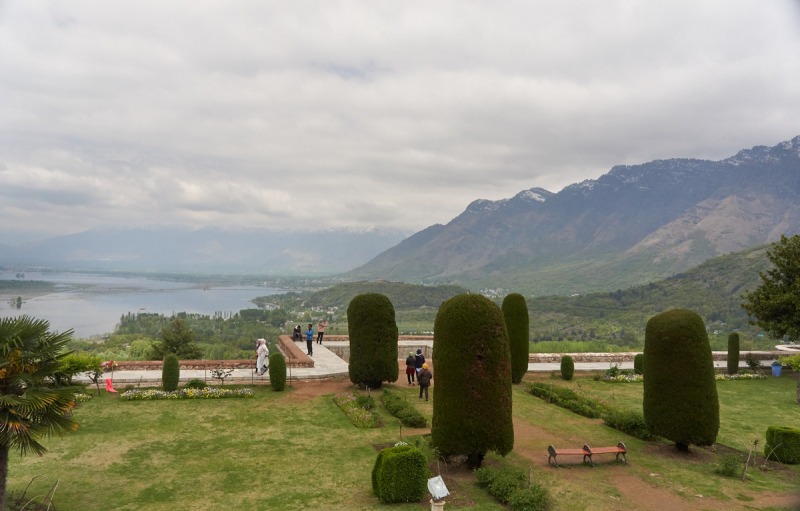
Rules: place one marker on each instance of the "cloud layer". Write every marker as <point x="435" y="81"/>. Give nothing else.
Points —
<point x="315" y="114"/>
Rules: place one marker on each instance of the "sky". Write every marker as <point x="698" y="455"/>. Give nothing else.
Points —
<point x="398" y="114"/>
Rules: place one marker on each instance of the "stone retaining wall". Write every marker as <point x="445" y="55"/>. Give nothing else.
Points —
<point x="538" y="358"/>
<point x="340" y="345"/>
<point x="296" y="357"/>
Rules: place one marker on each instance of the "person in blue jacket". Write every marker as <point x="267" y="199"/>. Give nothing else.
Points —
<point x="310" y="340"/>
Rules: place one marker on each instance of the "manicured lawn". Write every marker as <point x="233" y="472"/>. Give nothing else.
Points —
<point x="290" y="451"/>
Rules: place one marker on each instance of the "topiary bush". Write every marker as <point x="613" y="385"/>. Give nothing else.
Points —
<point x="277" y="371"/>
<point x="373" y="340"/>
<point x="195" y="384"/>
<point x="680" y="393"/>
<point x="403" y="410"/>
<point x="472" y="402"/>
<point x="170" y="373"/>
<point x="400" y="474"/>
<point x="515" y="312"/>
<point x="733" y="353"/>
<point x="638" y="363"/>
<point x="506" y="485"/>
<point x="786" y="444"/>
<point x="567" y="367"/>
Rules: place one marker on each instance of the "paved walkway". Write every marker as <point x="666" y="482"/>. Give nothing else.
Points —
<point x="326" y="365"/>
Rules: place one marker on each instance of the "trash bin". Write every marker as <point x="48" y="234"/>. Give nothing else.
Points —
<point x="776" y="369"/>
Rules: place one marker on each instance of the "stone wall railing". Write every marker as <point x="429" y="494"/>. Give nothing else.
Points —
<point x="340" y="345"/>
<point x="295" y="356"/>
<point x="539" y="358"/>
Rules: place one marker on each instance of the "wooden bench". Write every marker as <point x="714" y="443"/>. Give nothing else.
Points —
<point x="587" y="452"/>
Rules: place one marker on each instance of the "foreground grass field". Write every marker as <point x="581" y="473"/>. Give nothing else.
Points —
<point x="297" y="450"/>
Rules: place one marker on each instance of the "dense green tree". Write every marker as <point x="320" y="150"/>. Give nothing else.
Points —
<point x="373" y="340"/>
<point x="567" y="367"/>
<point x="277" y="371"/>
<point x="37" y="398"/>
<point x="277" y="317"/>
<point x="170" y="373"/>
<point x="515" y="312"/>
<point x="680" y="393"/>
<point x="472" y="364"/>
<point x="733" y="353"/>
<point x="179" y="340"/>
<point x="775" y="304"/>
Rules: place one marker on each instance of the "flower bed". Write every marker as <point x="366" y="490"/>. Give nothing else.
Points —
<point x="207" y="393"/>
<point x="82" y="398"/>
<point x="624" y="378"/>
<point x="360" y="417"/>
<point x="747" y="376"/>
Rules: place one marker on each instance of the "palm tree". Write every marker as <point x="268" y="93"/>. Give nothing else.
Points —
<point x="36" y="400"/>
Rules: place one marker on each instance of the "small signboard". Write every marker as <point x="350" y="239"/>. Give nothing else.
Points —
<point x="437" y="488"/>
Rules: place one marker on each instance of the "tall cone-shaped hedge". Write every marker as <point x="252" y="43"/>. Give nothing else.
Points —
<point x="472" y="398"/>
<point x="170" y="373"/>
<point x="277" y="371"/>
<point x="733" y="353"/>
<point x="373" y="340"/>
<point x="638" y="363"/>
<point x="680" y="393"/>
<point x="515" y="312"/>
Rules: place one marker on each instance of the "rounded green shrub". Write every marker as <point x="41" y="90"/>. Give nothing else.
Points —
<point x="195" y="384"/>
<point x="515" y="312"/>
<point x="638" y="363"/>
<point x="170" y="373"/>
<point x="680" y="393"/>
<point x="400" y="474"/>
<point x="373" y="340"/>
<point x="785" y="442"/>
<point x="733" y="353"/>
<point x="472" y="402"/>
<point x="277" y="371"/>
<point x="567" y="367"/>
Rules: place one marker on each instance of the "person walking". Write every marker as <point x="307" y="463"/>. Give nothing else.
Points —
<point x="321" y="330"/>
<point x="310" y="340"/>
<point x="424" y="379"/>
<point x="411" y="368"/>
<point x="419" y="360"/>
<point x="262" y="355"/>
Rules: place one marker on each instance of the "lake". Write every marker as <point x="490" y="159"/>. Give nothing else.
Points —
<point x="93" y="304"/>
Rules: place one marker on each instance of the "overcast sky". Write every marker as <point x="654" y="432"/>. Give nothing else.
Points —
<point x="326" y="113"/>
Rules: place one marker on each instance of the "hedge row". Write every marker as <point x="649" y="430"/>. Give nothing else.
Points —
<point x="785" y="442"/>
<point x="506" y="485"/>
<point x="403" y="410"/>
<point x="400" y="474"/>
<point x="628" y="421"/>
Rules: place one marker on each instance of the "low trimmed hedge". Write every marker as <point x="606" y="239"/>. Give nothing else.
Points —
<point x="400" y="474"/>
<point x="786" y="444"/>
<point x="506" y="484"/>
<point x="403" y="410"/>
<point x="628" y="421"/>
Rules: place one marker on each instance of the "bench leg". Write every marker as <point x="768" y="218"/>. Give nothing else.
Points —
<point x="590" y="459"/>
<point x="553" y="458"/>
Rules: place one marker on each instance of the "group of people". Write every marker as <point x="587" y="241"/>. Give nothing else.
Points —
<point x="297" y="336"/>
<point x="416" y="366"/>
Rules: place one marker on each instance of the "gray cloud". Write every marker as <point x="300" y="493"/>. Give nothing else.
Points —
<point x="309" y="114"/>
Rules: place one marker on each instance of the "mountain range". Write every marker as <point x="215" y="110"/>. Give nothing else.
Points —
<point x="210" y="249"/>
<point x="635" y="224"/>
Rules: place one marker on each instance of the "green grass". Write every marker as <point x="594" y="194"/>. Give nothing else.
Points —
<point x="276" y="451"/>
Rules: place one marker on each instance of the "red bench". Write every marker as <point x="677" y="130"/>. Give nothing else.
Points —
<point x="587" y="452"/>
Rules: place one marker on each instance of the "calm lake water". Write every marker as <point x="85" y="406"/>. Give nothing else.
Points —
<point x="97" y="304"/>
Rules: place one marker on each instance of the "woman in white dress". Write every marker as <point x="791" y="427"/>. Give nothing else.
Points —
<point x="263" y="354"/>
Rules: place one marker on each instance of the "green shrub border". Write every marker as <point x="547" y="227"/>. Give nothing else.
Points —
<point x="400" y="474"/>
<point x="787" y="441"/>
<point x="409" y="416"/>
<point x="506" y="485"/>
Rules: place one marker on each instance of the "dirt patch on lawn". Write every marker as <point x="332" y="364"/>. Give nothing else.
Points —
<point x="669" y="452"/>
<point x="307" y="390"/>
<point x="643" y="496"/>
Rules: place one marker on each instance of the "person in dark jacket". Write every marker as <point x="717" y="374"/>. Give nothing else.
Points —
<point x="419" y="360"/>
<point x="424" y="379"/>
<point x="411" y="368"/>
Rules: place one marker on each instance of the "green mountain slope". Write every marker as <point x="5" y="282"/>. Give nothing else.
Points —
<point x="711" y="289"/>
<point x="402" y="295"/>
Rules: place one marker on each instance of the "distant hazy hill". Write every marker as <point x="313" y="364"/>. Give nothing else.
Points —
<point x="635" y="224"/>
<point x="401" y="295"/>
<point x="210" y="249"/>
